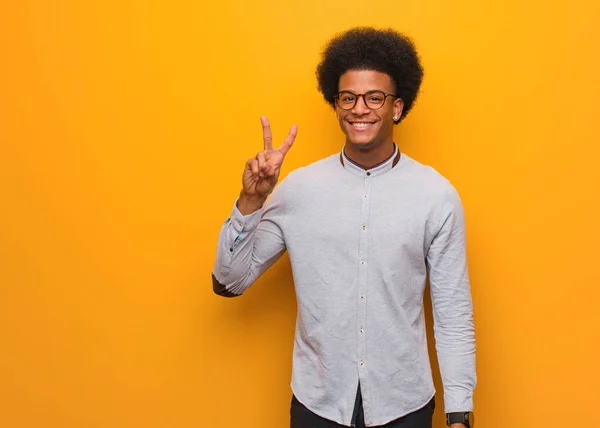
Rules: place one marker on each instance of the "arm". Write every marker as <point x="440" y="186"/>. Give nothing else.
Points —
<point x="251" y="240"/>
<point x="452" y="306"/>
<point x="248" y="246"/>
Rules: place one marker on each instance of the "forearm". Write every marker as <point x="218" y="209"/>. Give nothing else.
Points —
<point x="247" y="246"/>
<point x="457" y="362"/>
<point x="455" y="335"/>
<point x="230" y="272"/>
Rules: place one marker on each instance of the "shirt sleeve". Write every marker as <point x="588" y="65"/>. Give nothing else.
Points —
<point x="452" y="306"/>
<point x="248" y="246"/>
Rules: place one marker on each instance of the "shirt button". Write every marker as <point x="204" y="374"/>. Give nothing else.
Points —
<point x="362" y="363"/>
<point x="366" y="196"/>
<point x="362" y="297"/>
<point x="368" y="173"/>
<point x="364" y="227"/>
<point x="362" y="330"/>
<point x="362" y="262"/>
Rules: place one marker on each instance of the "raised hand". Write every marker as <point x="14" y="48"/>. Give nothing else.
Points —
<point x="262" y="171"/>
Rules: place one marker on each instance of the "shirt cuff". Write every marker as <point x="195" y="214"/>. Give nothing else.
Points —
<point x="243" y="223"/>
<point x="458" y="402"/>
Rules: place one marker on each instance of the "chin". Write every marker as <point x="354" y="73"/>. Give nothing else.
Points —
<point x="362" y="144"/>
<point x="361" y="139"/>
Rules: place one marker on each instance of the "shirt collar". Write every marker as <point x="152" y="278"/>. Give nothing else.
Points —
<point x="380" y="168"/>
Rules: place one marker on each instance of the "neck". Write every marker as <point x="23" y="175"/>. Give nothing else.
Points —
<point x="367" y="157"/>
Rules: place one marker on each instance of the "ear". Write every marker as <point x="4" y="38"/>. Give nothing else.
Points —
<point x="398" y="108"/>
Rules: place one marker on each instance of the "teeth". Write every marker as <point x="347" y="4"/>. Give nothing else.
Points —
<point x="361" y="124"/>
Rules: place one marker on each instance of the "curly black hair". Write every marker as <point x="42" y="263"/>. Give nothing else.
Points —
<point x="365" y="48"/>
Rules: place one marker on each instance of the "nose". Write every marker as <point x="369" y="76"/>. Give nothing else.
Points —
<point x="361" y="106"/>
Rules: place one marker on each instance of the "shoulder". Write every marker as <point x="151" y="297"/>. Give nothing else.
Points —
<point x="314" y="171"/>
<point x="428" y="181"/>
<point x="299" y="183"/>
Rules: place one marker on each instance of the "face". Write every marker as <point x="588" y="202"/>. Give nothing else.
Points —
<point x="365" y="127"/>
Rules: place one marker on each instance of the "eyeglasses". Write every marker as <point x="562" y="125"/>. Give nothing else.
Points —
<point x="346" y="100"/>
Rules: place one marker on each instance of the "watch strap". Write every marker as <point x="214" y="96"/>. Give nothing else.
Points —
<point x="458" y="418"/>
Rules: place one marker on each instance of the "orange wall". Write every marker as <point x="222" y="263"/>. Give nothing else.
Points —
<point x="124" y="127"/>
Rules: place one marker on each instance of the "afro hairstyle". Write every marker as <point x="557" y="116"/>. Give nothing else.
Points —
<point x="365" y="48"/>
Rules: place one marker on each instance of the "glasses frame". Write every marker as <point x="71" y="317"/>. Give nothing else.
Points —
<point x="385" y="95"/>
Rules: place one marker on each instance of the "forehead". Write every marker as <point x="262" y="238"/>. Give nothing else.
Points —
<point x="361" y="81"/>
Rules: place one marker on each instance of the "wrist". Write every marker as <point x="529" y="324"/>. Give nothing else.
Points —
<point x="460" y="420"/>
<point x="249" y="204"/>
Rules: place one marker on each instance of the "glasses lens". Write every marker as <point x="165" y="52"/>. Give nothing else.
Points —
<point x="374" y="99"/>
<point x="346" y="100"/>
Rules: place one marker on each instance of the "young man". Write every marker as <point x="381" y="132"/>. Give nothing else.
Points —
<point x="363" y="228"/>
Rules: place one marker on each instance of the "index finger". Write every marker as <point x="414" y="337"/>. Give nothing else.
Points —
<point x="266" y="133"/>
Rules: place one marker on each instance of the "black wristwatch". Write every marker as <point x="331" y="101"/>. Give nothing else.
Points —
<point x="467" y="418"/>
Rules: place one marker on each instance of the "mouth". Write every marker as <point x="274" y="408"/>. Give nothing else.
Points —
<point x="360" y="125"/>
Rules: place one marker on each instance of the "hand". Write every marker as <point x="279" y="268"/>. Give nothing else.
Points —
<point x="262" y="171"/>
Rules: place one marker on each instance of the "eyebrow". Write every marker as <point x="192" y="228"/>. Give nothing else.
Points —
<point x="354" y="92"/>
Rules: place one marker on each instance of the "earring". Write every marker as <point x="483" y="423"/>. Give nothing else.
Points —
<point x="395" y="117"/>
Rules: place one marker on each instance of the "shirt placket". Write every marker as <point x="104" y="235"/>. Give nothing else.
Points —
<point x="363" y="260"/>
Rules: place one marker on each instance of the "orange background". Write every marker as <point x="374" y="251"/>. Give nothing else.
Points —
<point x="124" y="127"/>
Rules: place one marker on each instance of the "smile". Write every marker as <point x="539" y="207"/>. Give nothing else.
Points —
<point x="361" y="125"/>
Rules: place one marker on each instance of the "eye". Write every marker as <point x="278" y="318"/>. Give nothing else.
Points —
<point x="348" y="98"/>
<point x="375" y="98"/>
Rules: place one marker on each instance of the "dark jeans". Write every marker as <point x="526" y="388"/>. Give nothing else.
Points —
<point x="301" y="417"/>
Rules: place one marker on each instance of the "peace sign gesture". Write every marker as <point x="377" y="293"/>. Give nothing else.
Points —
<point x="262" y="171"/>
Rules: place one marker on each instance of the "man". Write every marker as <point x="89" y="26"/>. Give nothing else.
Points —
<point x="363" y="228"/>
